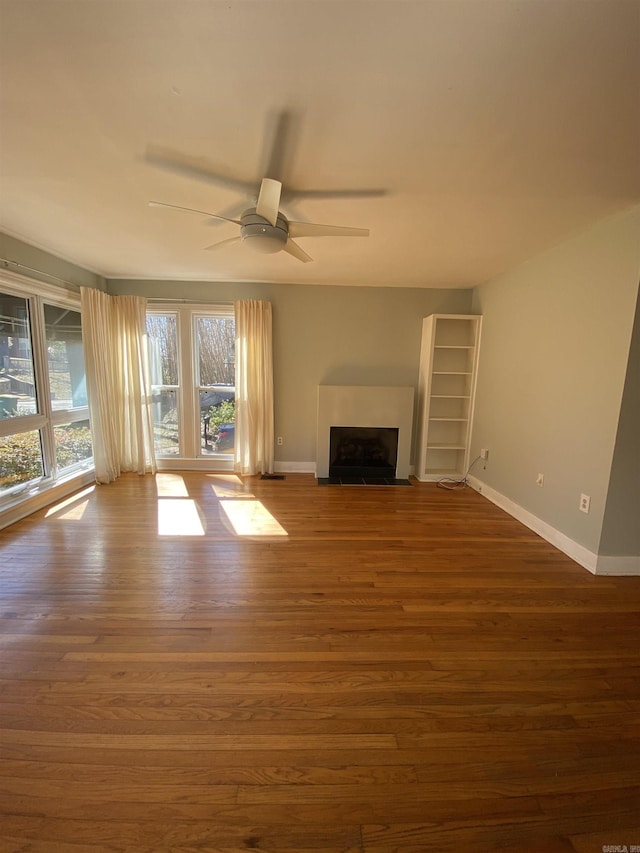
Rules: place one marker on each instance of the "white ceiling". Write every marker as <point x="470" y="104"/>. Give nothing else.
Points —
<point x="496" y="128"/>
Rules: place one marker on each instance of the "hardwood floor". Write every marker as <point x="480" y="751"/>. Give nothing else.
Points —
<point x="196" y="663"/>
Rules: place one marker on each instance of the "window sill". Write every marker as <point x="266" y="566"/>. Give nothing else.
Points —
<point x="221" y="462"/>
<point x="25" y="505"/>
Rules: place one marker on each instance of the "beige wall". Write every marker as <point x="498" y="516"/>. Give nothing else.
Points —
<point x="555" y="347"/>
<point x="325" y="336"/>
<point x="27" y="259"/>
<point x="621" y="526"/>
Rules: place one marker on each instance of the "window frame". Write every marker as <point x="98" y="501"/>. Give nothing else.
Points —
<point x="60" y="417"/>
<point x="190" y="457"/>
<point x="37" y="294"/>
<point x="178" y="389"/>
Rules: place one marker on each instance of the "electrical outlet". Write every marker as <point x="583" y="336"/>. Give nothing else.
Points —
<point x="540" y="480"/>
<point x="585" y="503"/>
<point x="484" y="453"/>
<point x="279" y="440"/>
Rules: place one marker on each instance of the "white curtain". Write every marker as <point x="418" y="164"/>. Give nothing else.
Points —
<point x="254" y="388"/>
<point x="118" y="384"/>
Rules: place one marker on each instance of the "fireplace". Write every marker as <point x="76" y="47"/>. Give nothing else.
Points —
<point x="382" y="417"/>
<point x="367" y="452"/>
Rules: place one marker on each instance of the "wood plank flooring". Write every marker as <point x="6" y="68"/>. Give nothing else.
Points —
<point x="200" y="663"/>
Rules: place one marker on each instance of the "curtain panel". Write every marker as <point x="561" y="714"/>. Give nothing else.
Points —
<point x="254" y="388"/>
<point x="118" y="383"/>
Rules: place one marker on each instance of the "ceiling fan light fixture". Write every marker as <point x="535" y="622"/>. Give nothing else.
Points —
<point x="265" y="241"/>
<point x="260" y="235"/>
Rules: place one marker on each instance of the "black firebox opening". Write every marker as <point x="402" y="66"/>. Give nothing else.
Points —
<point x="363" y="452"/>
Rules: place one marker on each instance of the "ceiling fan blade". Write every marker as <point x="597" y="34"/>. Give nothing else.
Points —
<point x="269" y="200"/>
<point x="227" y="242"/>
<point x="280" y="139"/>
<point x="310" y="229"/>
<point x="234" y="212"/>
<point x="192" y="167"/>
<point x="295" y="250"/>
<point x="191" y="210"/>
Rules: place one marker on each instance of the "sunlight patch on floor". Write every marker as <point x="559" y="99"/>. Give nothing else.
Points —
<point x="228" y="486"/>
<point x="251" y="518"/>
<point x="179" y="517"/>
<point x="71" y="508"/>
<point x="171" y="486"/>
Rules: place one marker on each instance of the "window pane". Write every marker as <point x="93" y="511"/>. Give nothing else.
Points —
<point x="216" y="371"/>
<point x="20" y="459"/>
<point x="17" y="382"/>
<point x="162" y="339"/>
<point x="73" y="444"/>
<point x="165" y="422"/>
<point x="218" y="410"/>
<point x="216" y="347"/>
<point x="163" y="348"/>
<point x="63" y="331"/>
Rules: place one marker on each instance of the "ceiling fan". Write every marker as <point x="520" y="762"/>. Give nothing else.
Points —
<point x="264" y="228"/>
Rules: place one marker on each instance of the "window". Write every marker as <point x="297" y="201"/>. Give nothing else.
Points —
<point x="44" y="419"/>
<point x="67" y="388"/>
<point x="162" y="336"/>
<point x="191" y="353"/>
<point x="17" y="376"/>
<point x="215" y="342"/>
<point x="65" y="359"/>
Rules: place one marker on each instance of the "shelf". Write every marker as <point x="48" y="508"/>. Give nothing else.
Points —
<point x="451" y="384"/>
<point x="455" y="331"/>
<point x="447" y="382"/>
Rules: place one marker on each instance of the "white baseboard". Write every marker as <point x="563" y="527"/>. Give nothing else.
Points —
<point x="596" y="564"/>
<point x="618" y="565"/>
<point x="295" y="467"/>
<point x="208" y="465"/>
<point x="41" y="499"/>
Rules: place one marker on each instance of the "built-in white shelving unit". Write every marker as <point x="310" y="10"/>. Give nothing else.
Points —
<point x="448" y="369"/>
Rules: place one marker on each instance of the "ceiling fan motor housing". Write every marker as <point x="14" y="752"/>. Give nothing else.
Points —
<point x="258" y="233"/>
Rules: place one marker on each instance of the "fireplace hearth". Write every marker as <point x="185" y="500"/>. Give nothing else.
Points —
<point x="363" y="452"/>
<point x="376" y="443"/>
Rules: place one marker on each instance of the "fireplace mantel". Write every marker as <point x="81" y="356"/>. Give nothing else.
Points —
<point x="365" y="406"/>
